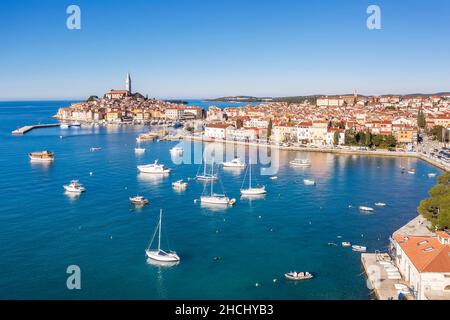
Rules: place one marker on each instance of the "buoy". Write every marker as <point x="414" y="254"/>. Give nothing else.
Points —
<point x="259" y="217"/>
<point x="110" y="237"/>
<point x="257" y="284"/>
<point x="274" y="280"/>
<point x="91" y="173"/>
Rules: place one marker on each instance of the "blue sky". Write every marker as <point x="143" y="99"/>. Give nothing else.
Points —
<point x="210" y="48"/>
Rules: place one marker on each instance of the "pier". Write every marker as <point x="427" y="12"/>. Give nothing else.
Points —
<point x="25" y="129"/>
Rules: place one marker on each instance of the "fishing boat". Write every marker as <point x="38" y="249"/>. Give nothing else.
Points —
<point x="252" y="191"/>
<point x="180" y="185"/>
<point x="380" y="204"/>
<point x="366" y="209"/>
<point x="139" y="200"/>
<point x="346" y="244"/>
<point x="298" y="276"/>
<point x="42" y="156"/>
<point x="214" y="198"/>
<point x="300" y="163"/>
<point x="154" y="168"/>
<point x="205" y="176"/>
<point x="75" y="187"/>
<point x="309" y="182"/>
<point x="159" y="254"/>
<point x="235" y="163"/>
<point x="359" y="248"/>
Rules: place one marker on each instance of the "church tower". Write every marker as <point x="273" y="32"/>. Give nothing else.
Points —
<point x="128" y="83"/>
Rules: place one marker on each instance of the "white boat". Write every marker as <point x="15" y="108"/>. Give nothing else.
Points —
<point x="273" y="178"/>
<point x="139" y="200"/>
<point x="366" y="209"/>
<point x="346" y="244"/>
<point x="298" y="276"/>
<point x="309" y="182"/>
<point x="177" y="150"/>
<point x="64" y="126"/>
<point x="75" y="124"/>
<point x="42" y="156"/>
<point x="412" y="171"/>
<point x="359" y="248"/>
<point x="154" y="168"/>
<point x="159" y="254"/>
<point x="300" y="163"/>
<point x="180" y="185"/>
<point x="94" y="149"/>
<point x="74" y="187"/>
<point x="432" y="175"/>
<point x="216" y="199"/>
<point x="205" y="176"/>
<point x="380" y="204"/>
<point x="146" y="137"/>
<point x="252" y="191"/>
<point x="235" y="163"/>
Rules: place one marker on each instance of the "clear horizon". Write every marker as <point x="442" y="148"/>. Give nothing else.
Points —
<point x="203" y="49"/>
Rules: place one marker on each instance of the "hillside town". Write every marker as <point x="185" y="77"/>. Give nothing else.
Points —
<point x="381" y="121"/>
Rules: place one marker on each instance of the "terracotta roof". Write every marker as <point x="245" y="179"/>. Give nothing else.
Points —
<point x="426" y="253"/>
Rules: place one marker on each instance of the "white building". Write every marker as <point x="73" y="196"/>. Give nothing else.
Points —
<point x="330" y="136"/>
<point x="217" y="130"/>
<point x="304" y="132"/>
<point x="424" y="262"/>
<point x="330" y="102"/>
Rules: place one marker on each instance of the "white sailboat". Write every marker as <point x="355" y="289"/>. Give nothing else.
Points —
<point x="205" y="176"/>
<point x="159" y="254"/>
<point x="250" y="191"/>
<point x="214" y="198"/>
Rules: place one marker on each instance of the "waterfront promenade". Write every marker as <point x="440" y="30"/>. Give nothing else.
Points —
<point x="25" y="129"/>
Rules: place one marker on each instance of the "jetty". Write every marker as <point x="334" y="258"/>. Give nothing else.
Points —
<point x="25" y="129"/>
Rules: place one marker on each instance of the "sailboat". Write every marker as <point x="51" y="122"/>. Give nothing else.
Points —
<point x="205" y="176"/>
<point x="252" y="191"/>
<point x="216" y="199"/>
<point x="159" y="254"/>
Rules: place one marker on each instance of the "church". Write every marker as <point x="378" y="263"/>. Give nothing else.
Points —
<point x="119" y="94"/>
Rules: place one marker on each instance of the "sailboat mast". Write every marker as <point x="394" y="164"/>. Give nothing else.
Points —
<point x="212" y="177"/>
<point x="250" y="180"/>
<point x="160" y="226"/>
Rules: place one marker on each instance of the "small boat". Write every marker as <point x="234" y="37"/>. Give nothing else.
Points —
<point x="366" y="209"/>
<point x="252" y="191"/>
<point x="180" y="185"/>
<point x="159" y="254"/>
<point x="74" y="187"/>
<point x="346" y="244"/>
<point x="154" y="168"/>
<point x="380" y="204"/>
<point x="309" y="182"/>
<point x="139" y="200"/>
<point x="177" y="150"/>
<point x="359" y="248"/>
<point x="94" y="149"/>
<point x="300" y="163"/>
<point x="412" y="171"/>
<point x="42" y="156"/>
<point x="432" y="175"/>
<point x="235" y="163"/>
<point x="75" y="124"/>
<point x="64" y="126"/>
<point x="298" y="276"/>
<point x="146" y="137"/>
<point x="273" y="178"/>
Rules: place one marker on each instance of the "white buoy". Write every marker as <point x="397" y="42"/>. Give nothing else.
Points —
<point x="257" y="284"/>
<point x="275" y="280"/>
<point x="91" y="173"/>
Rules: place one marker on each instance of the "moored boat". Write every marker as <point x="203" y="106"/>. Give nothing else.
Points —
<point x="154" y="168"/>
<point x="180" y="185"/>
<point x="252" y="191"/>
<point x="298" y="276"/>
<point x="380" y="204"/>
<point x="139" y="200"/>
<point x="346" y="244"/>
<point x="359" y="248"/>
<point x="75" y="187"/>
<point x="235" y="163"/>
<point x="366" y="209"/>
<point x="44" y="156"/>
<point x="300" y="163"/>
<point x="309" y="182"/>
<point x="432" y="175"/>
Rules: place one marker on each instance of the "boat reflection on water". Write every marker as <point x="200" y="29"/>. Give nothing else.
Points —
<point x="162" y="264"/>
<point x="254" y="197"/>
<point x="72" y="196"/>
<point x="214" y="207"/>
<point x="235" y="171"/>
<point x="154" y="179"/>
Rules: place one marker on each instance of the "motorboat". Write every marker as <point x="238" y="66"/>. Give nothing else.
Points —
<point x="300" y="163"/>
<point x="412" y="171"/>
<point x="359" y="248"/>
<point x="159" y="254"/>
<point x="273" y="178"/>
<point x="180" y="185"/>
<point x="74" y="186"/>
<point x="42" y="156"/>
<point x="94" y="149"/>
<point x="346" y="244"/>
<point x="432" y="175"/>
<point x="139" y="200"/>
<point x="177" y="150"/>
<point x="252" y="191"/>
<point x="154" y="168"/>
<point x="309" y="182"/>
<point x="298" y="276"/>
<point x="380" y="204"/>
<point x="366" y="209"/>
<point x="235" y="163"/>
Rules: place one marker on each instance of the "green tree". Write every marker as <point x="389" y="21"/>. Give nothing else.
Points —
<point x="368" y="139"/>
<point x="92" y="98"/>
<point x="336" y="138"/>
<point x="436" y="208"/>
<point x="421" y="121"/>
<point x="269" y="129"/>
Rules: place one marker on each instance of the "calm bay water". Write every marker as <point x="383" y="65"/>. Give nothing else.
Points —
<point x="42" y="231"/>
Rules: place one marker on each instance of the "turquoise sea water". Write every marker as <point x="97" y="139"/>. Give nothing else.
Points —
<point x="42" y="231"/>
